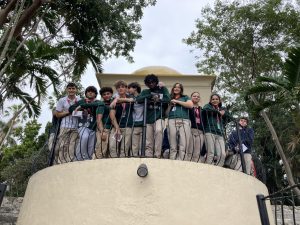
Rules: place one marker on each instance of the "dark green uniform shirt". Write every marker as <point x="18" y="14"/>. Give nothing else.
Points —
<point x="213" y="122"/>
<point x="104" y="110"/>
<point x="155" y="110"/>
<point x="89" y="118"/>
<point x="178" y="111"/>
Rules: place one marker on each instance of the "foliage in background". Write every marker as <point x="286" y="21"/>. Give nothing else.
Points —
<point x="50" y="43"/>
<point x="19" y="161"/>
<point x="241" y="42"/>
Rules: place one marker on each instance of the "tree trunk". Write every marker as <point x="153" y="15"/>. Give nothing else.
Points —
<point x="27" y="15"/>
<point x="11" y="125"/>
<point x="4" y="12"/>
<point x="279" y="148"/>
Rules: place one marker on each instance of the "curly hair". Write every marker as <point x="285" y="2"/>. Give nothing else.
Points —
<point x="151" y="78"/>
<point x="105" y="89"/>
<point x="92" y="89"/>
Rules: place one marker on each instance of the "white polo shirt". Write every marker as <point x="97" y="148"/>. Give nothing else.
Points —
<point x="63" y="105"/>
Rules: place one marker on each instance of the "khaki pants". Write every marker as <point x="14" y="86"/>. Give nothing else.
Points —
<point x="234" y="162"/>
<point x="137" y="133"/>
<point x="154" y="138"/>
<point x="120" y="149"/>
<point x="195" y="145"/>
<point x="65" y="146"/>
<point x="215" y="147"/>
<point x="101" y="148"/>
<point x="179" y="131"/>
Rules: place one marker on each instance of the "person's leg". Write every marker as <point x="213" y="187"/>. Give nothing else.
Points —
<point x="149" y="140"/>
<point x="81" y="149"/>
<point x="220" y="150"/>
<point x="197" y="137"/>
<point x="91" y="143"/>
<point x="248" y="161"/>
<point x="74" y="137"/>
<point x="58" y="151"/>
<point x="209" y="140"/>
<point x="172" y="132"/>
<point x="136" y="141"/>
<point x="158" y="137"/>
<point x="184" y="137"/>
<point x="113" y="144"/>
<point x="126" y="141"/>
<point x="201" y="138"/>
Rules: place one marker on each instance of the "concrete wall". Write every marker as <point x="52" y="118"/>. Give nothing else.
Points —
<point x="108" y="191"/>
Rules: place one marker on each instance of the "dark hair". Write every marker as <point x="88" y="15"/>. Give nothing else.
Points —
<point x="91" y="88"/>
<point x="244" y="118"/>
<point x="151" y="78"/>
<point x="135" y="85"/>
<point x="215" y="94"/>
<point x="105" y="89"/>
<point x="172" y="90"/>
<point x="71" y="84"/>
<point x="120" y="83"/>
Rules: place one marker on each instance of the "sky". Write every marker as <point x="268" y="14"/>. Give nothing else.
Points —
<point x="163" y="28"/>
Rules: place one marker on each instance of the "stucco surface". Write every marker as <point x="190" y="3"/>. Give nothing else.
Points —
<point x="108" y="191"/>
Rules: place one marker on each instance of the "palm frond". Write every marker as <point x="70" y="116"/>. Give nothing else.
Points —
<point x="261" y="88"/>
<point x="292" y="67"/>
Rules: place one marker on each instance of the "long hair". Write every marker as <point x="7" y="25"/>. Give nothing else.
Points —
<point x="181" y="90"/>
<point x="215" y="94"/>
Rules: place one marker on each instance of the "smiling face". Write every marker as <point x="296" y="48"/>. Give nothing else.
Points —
<point x="195" y="98"/>
<point x="215" y="100"/>
<point x="71" y="91"/>
<point x="106" y="96"/>
<point x="243" y="122"/>
<point x="177" y="89"/>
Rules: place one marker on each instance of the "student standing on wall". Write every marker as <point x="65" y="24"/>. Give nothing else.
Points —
<point x="214" y="118"/>
<point x="197" y="137"/>
<point x="179" y="124"/>
<point x="103" y="123"/>
<point x="247" y="136"/>
<point x="87" y="130"/>
<point x="121" y="118"/>
<point x="158" y="96"/>
<point x="68" y="134"/>
<point x="134" y="89"/>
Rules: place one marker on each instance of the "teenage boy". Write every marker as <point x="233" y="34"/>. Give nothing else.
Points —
<point x="103" y="123"/>
<point x="121" y="118"/>
<point x="158" y="98"/>
<point x="134" y="89"/>
<point x="87" y="132"/>
<point x="68" y="133"/>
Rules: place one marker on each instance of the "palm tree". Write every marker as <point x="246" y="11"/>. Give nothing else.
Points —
<point x="285" y="91"/>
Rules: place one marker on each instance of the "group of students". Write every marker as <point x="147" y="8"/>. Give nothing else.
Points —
<point x="113" y="127"/>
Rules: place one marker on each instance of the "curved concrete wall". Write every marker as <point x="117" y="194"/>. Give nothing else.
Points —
<point x="108" y="191"/>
